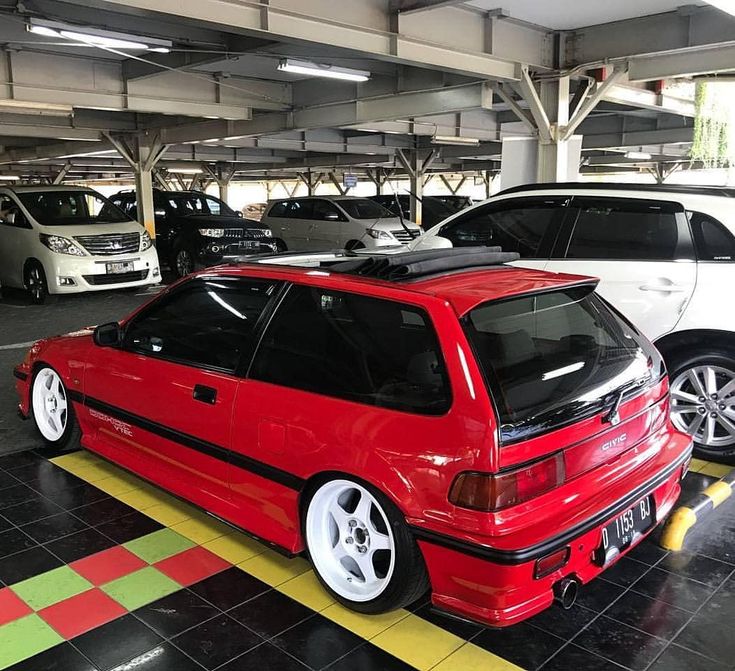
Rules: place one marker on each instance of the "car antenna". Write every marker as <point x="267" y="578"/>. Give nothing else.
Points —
<point x="400" y="212"/>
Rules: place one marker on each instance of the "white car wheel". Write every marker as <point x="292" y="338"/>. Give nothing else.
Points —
<point x="350" y="541"/>
<point x="50" y="404"/>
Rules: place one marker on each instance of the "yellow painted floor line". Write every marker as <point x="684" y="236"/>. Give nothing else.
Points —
<point x="404" y="635"/>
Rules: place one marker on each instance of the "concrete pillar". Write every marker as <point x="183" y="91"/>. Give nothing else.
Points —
<point x="144" y="200"/>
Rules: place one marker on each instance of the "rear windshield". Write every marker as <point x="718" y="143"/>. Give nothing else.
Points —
<point x="364" y="208"/>
<point x="553" y="358"/>
<point x="71" y="208"/>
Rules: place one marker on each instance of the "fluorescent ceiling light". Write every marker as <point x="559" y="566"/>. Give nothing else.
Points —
<point x="96" y="37"/>
<point x="33" y="107"/>
<point x="640" y="155"/>
<point x="9" y="178"/>
<point x="321" y="70"/>
<point x="187" y="171"/>
<point x="727" y="6"/>
<point x="455" y="139"/>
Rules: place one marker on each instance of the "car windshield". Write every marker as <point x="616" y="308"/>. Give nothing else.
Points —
<point x="71" y="208"/>
<point x="189" y="204"/>
<point x="364" y="208"/>
<point x="556" y="357"/>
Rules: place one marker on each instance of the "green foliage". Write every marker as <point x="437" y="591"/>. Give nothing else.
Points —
<point x="714" y="124"/>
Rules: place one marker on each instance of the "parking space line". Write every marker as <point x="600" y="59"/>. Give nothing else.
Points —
<point x="18" y="345"/>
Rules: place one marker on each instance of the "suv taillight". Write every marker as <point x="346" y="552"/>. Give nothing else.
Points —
<point x="495" y="491"/>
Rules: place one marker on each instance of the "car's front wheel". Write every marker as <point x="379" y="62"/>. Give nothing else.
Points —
<point x="703" y="401"/>
<point x="361" y="547"/>
<point x="35" y="283"/>
<point x="183" y="261"/>
<point x="52" y="409"/>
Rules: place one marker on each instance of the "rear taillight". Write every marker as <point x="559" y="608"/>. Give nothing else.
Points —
<point x="495" y="491"/>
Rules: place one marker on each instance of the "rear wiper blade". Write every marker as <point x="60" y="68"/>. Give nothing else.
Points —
<point x="612" y="416"/>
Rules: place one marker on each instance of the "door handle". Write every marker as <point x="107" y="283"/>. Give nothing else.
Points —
<point x="664" y="288"/>
<point x="205" y="394"/>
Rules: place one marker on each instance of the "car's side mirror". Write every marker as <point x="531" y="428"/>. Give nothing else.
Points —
<point x="239" y="214"/>
<point x="108" y="335"/>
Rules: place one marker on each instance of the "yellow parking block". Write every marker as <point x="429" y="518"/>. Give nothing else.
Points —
<point x="274" y="569"/>
<point x="366" y="626"/>
<point x="307" y="590"/>
<point x="235" y="547"/>
<point x="473" y="658"/>
<point x="201" y="531"/>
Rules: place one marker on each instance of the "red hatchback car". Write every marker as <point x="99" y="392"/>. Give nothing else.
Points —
<point x="495" y="434"/>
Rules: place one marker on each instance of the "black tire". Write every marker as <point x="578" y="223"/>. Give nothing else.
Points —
<point x="281" y="245"/>
<point x="183" y="260"/>
<point x="34" y="281"/>
<point x="680" y="362"/>
<point x="70" y="439"/>
<point x="410" y="579"/>
<point x="354" y="244"/>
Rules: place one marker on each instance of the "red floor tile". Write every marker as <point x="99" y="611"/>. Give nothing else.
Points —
<point x="12" y="607"/>
<point x="108" y="565"/>
<point x="192" y="565"/>
<point x="82" y="612"/>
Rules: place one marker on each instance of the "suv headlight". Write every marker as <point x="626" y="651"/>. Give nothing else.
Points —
<point x="61" y="245"/>
<point x="267" y="233"/>
<point x="145" y="241"/>
<point x="377" y="234"/>
<point x="212" y="232"/>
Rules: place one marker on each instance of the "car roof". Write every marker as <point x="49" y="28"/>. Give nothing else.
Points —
<point x="32" y="188"/>
<point x="694" y="190"/>
<point x="463" y="290"/>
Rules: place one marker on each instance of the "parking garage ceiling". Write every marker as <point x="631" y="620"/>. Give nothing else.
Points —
<point x="437" y="69"/>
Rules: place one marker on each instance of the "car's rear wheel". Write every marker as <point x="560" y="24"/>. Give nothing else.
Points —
<point x="281" y="245"/>
<point x="52" y="409"/>
<point x="703" y="401"/>
<point x="361" y="548"/>
<point x="34" y="279"/>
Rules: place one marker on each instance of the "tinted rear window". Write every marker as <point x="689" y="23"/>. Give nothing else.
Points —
<point x="555" y="357"/>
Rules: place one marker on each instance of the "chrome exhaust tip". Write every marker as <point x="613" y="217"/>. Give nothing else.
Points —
<point x="566" y="592"/>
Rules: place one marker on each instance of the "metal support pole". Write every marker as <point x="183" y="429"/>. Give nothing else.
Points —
<point x="416" y="167"/>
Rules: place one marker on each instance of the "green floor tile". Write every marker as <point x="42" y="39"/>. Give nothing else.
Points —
<point x="158" y="545"/>
<point x="24" y="638"/>
<point x="51" y="587"/>
<point x="139" y="588"/>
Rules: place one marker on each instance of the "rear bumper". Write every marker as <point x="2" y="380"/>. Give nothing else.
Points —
<point x="498" y="587"/>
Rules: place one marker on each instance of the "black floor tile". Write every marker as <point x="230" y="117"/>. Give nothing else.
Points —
<point x="267" y="657"/>
<point x="176" y="612"/>
<point x="62" y="657"/>
<point x="7" y="480"/>
<point x="651" y="615"/>
<point x="710" y="633"/>
<point x="229" y="588"/>
<point x="217" y="641"/>
<point x="73" y="496"/>
<point x="103" y="511"/>
<point x="675" y="658"/>
<point x="19" y="459"/>
<point x="27" y="564"/>
<point x="317" y="642"/>
<point x="270" y="613"/>
<point x="12" y="496"/>
<point x="649" y="552"/>
<point x="34" y="509"/>
<point x="14" y="540"/>
<point x="573" y="657"/>
<point x="164" y="657"/>
<point x="50" y="528"/>
<point x="620" y="643"/>
<point x="117" y="642"/>
<point x="723" y="600"/>
<point x="521" y="644"/>
<point x="673" y="589"/>
<point x="696" y="567"/>
<point x="4" y="524"/>
<point x="369" y="658"/>
<point x="38" y="471"/>
<point x="598" y="594"/>
<point x="461" y="628"/>
<point x="563" y="623"/>
<point x="129" y="527"/>
<point x="80" y="544"/>
<point x="625" y="571"/>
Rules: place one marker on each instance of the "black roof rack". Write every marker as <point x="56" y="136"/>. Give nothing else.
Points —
<point x="422" y="264"/>
<point x="727" y="192"/>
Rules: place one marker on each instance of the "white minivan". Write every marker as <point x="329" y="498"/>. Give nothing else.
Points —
<point x="68" y="239"/>
<point x="335" y="222"/>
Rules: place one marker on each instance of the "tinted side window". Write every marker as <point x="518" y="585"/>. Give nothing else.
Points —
<point x="325" y="211"/>
<point x="714" y="242"/>
<point x="299" y="209"/>
<point x="628" y="229"/>
<point x="279" y="209"/>
<point x="356" y="348"/>
<point x="208" y="323"/>
<point x="214" y="206"/>
<point x="517" y="227"/>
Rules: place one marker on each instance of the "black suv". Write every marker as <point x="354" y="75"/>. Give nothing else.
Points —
<point x="194" y="229"/>
<point x="433" y="210"/>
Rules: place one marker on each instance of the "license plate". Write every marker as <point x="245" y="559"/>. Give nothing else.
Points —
<point x="119" y="267"/>
<point x="625" y="530"/>
<point x="249" y="244"/>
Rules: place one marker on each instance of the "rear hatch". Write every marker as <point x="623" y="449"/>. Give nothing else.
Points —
<point x="579" y="394"/>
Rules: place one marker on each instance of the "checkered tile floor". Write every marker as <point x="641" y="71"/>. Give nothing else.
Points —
<point x="101" y="571"/>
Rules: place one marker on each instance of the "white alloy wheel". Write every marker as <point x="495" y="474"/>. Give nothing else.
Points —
<point x="50" y="409"/>
<point x="350" y="540"/>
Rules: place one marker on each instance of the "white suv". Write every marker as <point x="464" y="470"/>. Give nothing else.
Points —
<point x="65" y="239"/>
<point x="665" y="256"/>
<point x="335" y="222"/>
